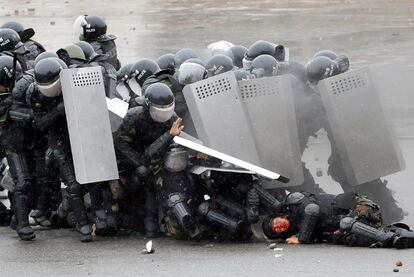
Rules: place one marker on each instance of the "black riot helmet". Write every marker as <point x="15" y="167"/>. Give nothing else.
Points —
<point x="47" y="77"/>
<point x="238" y="54"/>
<point x="166" y="61"/>
<point x="160" y="101"/>
<point x="192" y="70"/>
<point x="45" y="55"/>
<point x="218" y="64"/>
<point x="94" y="28"/>
<point x="320" y="68"/>
<point x="74" y="53"/>
<point x="7" y="74"/>
<point x="264" y="65"/>
<point x="124" y="72"/>
<point x="9" y="40"/>
<point x="262" y="47"/>
<point x="16" y="26"/>
<point x="25" y="34"/>
<point x="183" y="55"/>
<point x="139" y="72"/>
<point x="326" y="53"/>
<point x="87" y="49"/>
<point x="343" y="63"/>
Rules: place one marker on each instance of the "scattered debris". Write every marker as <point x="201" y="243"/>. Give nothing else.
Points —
<point x="272" y="246"/>
<point x="209" y="245"/>
<point x="31" y="11"/>
<point x="396" y="270"/>
<point x="398" y="263"/>
<point x="278" y="249"/>
<point x="278" y="255"/>
<point x="148" y="248"/>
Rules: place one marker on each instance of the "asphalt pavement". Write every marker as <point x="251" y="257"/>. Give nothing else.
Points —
<point x="378" y="33"/>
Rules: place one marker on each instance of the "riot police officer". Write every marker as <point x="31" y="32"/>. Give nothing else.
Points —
<point x="324" y="65"/>
<point x="94" y="32"/>
<point x="49" y="115"/>
<point x="34" y="47"/>
<point x="141" y="141"/>
<point x="12" y="45"/>
<point x="13" y="141"/>
<point x="346" y="218"/>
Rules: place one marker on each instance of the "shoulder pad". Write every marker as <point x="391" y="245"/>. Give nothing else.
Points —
<point x="23" y="83"/>
<point x="135" y="112"/>
<point x="104" y="38"/>
<point x="294" y="198"/>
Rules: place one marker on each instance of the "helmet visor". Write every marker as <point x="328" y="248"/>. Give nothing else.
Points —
<point x="51" y="90"/>
<point x="135" y="87"/>
<point x="161" y="115"/>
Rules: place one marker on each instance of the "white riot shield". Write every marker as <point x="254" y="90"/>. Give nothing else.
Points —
<point x="220" y="118"/>
<point x="270" y="107"/>
<point x="362" y="134"/>
<point x="232" y="160"/>
<point x="88" y="124"/>
<point x="117" y="111"/>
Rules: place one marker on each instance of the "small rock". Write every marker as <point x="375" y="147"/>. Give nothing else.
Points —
<point x="278" y="255"/>
<point x="398" y="263"/>
<point x="278" y="249"/>
<point x="396" y="270"/>
<point x="52" y="22"/>
<point x="209" y="245"/>
<point x="272" y="246"/>
<point x="148" y="248"/>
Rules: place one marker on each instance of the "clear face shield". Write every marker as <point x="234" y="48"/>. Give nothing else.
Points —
<point x="79" y="23"/>
<point x="134" y="86"/>
<point x="53" y="89"/>
<point x="124" y="91"/>
<point x="161" y="114"/>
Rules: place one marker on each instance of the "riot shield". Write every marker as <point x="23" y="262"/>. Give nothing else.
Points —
<point x="88" y="124"/>
<point x="362" y="134"/>
<point x="220" y="118"/>
<point x="270" y="108"/>
<point x="229" y="159"/>
<point x="117" y="111"/>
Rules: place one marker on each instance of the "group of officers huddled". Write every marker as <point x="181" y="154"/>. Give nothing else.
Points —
<point x="156" y="193"/>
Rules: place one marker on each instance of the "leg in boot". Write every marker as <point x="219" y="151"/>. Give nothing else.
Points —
<point x="20" y="172"/>
<point x="75" y="193"/>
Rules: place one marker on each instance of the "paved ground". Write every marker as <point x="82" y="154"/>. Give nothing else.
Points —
<point x="58" y="253"/>
<point x="371" y="32"/>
